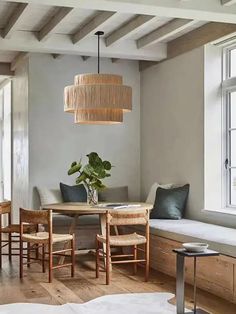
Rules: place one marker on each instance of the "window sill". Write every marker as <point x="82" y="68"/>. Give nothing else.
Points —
<point x="226" y="211"/>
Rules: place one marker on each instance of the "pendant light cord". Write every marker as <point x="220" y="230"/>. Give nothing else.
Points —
<point x="98" y="34"/>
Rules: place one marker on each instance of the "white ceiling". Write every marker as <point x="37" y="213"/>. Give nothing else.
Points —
<point x="24" y="34"/>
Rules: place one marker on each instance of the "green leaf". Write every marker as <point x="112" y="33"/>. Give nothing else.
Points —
<point x="81" y="178"/>
<point x="74" y="169"/>
<point x="73" y="164"/>
<point x="102" y="174"/>
<point x="88" y="169"/>
<point x="92" y="157"/>
<point x="92" y="173"/>
<point x="98" y="185"/>
<point x="106" y="165"/>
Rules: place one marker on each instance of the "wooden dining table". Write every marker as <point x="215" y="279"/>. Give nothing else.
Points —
<point x="80" y="209"/>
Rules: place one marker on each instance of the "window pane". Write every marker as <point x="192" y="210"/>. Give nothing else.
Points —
<point x="233" y="148"/>
<point x="233" y="187"/>
<point x="233" y="110"/>
<point x="233" y="62"/>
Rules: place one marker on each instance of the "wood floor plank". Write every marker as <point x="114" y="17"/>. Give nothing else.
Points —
<point x="34" y="287"/>
<point x="61" y="293"/>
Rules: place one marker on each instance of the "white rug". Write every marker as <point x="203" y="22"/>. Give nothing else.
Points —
<point x="138" y="303"/>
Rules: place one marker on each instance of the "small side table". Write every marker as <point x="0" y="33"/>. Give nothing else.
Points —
<point x="180" y="270"/>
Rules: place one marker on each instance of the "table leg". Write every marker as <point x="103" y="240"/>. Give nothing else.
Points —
<point x="103" y="232"/>
<point x="195" y="286"/>
<point x="195" y="310"/>
<point x="180" y="284"/>
<point x="67" y="244"/>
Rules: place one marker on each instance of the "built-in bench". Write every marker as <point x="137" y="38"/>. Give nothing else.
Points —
<point x="219" y="238"/>
<point x="215" y="274"/>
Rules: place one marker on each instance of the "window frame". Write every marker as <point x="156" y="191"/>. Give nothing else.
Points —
<point x="228" y="87"/>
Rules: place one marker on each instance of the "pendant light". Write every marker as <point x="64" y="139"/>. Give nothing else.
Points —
<point x="98" y="98"/>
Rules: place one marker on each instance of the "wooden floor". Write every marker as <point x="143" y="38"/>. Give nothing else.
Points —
<point x="84" y="287"/>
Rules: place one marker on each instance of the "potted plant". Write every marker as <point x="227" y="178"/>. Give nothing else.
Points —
<point x="91" y="175"/>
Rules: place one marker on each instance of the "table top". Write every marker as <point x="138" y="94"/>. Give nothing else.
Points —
<point x="183" y="252"/>
<point x="84" y="208"/>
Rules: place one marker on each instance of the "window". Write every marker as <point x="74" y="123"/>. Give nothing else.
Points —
<point x="229" y="93"/>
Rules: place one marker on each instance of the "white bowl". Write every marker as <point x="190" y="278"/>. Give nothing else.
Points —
<point x="195" y="247"/>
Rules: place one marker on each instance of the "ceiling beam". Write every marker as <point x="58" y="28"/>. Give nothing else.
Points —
<point x="127" y="28"/>
<point x="49" y="27"/>
<point x="21" y="56"/>
<point x="97" y="21"/>
<point x="85" y="58"/>
<point x="143" y="65"/>
<point x="162" y="33"/>
<point x="114" y="60"/>
<point x="62" y="44"/>
<point x="14" y="20"/>
<point x="5" y="69"/>
<point x="207" y="10"/>
<point x="203" y="35"/>
<point x="56" y="55"/>
<point x="198" y="37"/>
<point x="228" y="2"/>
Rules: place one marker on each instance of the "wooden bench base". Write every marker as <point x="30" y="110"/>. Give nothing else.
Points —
<point x="216" y="275"/>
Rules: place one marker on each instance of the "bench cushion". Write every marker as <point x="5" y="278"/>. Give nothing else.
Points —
<point x="221" y="239"/>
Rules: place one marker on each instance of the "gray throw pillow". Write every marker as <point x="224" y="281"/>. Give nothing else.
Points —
<point x="115" y="194"/>
<point x="170" y="203"/>
<point x="75" y="193"/>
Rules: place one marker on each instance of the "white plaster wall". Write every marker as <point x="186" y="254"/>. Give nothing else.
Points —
<point x="55" y="141"/>
<point x="20" y="146"/>
<point x="172" y="130"/>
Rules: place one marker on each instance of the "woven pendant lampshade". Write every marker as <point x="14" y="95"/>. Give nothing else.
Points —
<point x="98" y="116"/>
<point x="98" y="98"/>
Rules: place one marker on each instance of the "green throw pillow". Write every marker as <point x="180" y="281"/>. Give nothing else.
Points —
<point x="170" y="203"/>
<point x="75" y="193"/>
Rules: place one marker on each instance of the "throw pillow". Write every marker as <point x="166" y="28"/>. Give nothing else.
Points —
<point x="49" y="196"/>
<point x="115" y="194"/>
<point x="170" y="203"/>
<point x="152" y="192"/>
<point x="75" y="193"/>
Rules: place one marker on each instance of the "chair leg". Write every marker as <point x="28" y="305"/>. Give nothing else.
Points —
<point x="135" y="258"/>
<point x="21" y="259"/>
<point x="43" y="258"/>
<point x="50" y="263"/>
<point x="97" y="259"/>
<point x="9" y="247"/>
<point x="73" y="257"/>
<point x="147" y="261"/>
<point x="28" y="254"/>
<point x="108" y="249"/>
<point x="37" y="251"/>
<point x="0" y="250"/>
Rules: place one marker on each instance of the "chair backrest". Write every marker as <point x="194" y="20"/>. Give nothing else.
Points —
<point x="5" y="207"/>
<point x="125" y="217"/>
<point x="36" y="217"/>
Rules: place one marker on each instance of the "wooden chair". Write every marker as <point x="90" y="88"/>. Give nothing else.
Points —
<point x="43" y="240"/>
<point x="10" y="233"/>
<point x="124" y="218"/>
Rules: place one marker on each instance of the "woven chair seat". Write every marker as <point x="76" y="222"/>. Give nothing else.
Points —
<point x="43" y="237"/>
<point x="124" y="240"/>
<point x="15" y="228"/>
